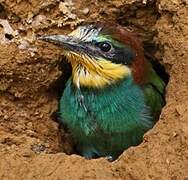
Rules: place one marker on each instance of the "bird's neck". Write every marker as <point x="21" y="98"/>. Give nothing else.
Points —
<point x="99" y="75"/>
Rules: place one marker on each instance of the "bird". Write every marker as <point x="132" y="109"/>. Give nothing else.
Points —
<point x="114" y="95"/>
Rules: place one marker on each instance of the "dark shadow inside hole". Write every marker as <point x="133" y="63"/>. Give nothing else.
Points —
<point x="149" y="50"/>
<point x="59" y="85"/>
<point x="65" y="140"/>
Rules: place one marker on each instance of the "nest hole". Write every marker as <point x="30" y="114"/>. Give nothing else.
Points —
<point x="66" y="143"/>
<point x="129" y="17"/>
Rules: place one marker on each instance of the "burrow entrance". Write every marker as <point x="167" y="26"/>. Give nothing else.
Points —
<point x="138" y="17"/>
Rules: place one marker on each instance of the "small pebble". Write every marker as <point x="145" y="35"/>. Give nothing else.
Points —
<point x="85" y="11"/>
<point x="23" y="45"/>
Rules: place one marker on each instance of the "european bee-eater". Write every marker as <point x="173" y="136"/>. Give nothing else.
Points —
<point x="114" y="95"/>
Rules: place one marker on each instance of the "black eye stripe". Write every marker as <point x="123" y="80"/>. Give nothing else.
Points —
<point x="123" y="55"/>
<point x="117" y="54"/>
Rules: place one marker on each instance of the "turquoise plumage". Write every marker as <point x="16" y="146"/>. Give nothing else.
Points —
<point x="106" y="122"/>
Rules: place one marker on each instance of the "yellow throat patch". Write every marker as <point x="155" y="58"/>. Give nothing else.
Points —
<point x="92" y="73"/>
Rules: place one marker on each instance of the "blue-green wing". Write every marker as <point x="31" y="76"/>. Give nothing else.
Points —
<point x="154" y="91"/>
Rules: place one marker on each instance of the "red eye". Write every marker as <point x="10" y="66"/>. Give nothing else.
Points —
<point x="104" y="46"/>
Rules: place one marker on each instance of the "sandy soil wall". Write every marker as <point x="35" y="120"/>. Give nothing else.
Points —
<point x="32" y="143"/>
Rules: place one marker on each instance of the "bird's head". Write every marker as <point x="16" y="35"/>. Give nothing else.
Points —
<point x="101" y="54"/>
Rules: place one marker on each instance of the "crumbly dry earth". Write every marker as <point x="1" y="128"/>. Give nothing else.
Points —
<point x="31" y="79"/>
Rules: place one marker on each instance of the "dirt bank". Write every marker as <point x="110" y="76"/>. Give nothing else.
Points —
<point x="31" y="74"/>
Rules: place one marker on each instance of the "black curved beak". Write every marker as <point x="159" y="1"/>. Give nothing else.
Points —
<point x="69" y="43"/>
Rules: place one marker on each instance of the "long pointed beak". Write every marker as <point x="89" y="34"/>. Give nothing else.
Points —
<point x="67" y="42"/>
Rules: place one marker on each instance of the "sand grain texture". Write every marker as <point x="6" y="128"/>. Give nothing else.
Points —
<point x="31" y="146"/>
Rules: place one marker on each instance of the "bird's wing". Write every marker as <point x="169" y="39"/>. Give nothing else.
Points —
<point x="154" y="90"/>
